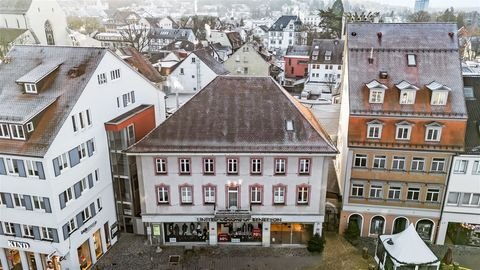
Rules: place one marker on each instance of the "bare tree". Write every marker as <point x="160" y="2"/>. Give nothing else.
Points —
<point x="137" y="36"/>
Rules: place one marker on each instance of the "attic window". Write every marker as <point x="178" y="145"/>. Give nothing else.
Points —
<point x="31" y="88"/>
<point x="29" y="127"/>
<point x="411" y="60"/>
<point x="328" y="55"/>
<point x="468" y="92"/>
<point x="289" y="125"/>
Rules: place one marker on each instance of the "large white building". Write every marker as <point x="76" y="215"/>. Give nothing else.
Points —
<point x="57" y="202"/>
<point x="286" y="32"/>
<point x="241" y="162"/>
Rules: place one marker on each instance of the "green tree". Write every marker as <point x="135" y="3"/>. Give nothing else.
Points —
<point x="352" y="233"/>
<point x="421" y="16"/>
<point x="331" y="20"/>
<point x="447" y="16"/>
<point x="316" y="244"/>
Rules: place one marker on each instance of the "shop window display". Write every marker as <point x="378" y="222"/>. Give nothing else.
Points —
<point x="237" y="232"/>
<point x="186" y="232"/>
<point x="97" y="240"/>
<point x="84" y="257"/>
<point x="13" y="257"/>
<point x="290" y="233"/>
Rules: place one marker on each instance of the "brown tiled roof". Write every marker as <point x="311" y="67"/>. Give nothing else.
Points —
<point x="435" y="46"/>
<point x="63" y="89"/>
<point x="320" y="48"/>
<point x="143" y="66"/>
<point x="239" y="114"/>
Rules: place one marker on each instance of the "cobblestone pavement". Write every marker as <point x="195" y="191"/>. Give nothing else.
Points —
<point x="133" y="253"/>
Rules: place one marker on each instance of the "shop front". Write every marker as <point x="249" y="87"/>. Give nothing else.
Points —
<point x="84" y="257"/>
<point x="97" y="242"/>
<point x="186" y="232"/>
<point x="290" y="233"/>
<point x="14" y="258"/>
<point x="239" y="232"/>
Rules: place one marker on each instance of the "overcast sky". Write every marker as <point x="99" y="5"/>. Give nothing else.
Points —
<point x="474" y="4"/>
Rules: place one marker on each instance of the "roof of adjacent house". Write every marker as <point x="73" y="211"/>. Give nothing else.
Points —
<point x="235" y="39"/>
<point x="14" y="6"/>
<point x="435" y="47"/>
<point x="331" y="47"/>
<point x="181" y="44"/>
<point x="298" y="50"/>
<point x="176" y="34"/>
<point x="11" y="34"/>
<point x="144" y="67"/>
<point x="283" y="21"/>
<point x="264" y="28"/>
<point x="54" y="101"/>
<point x="235" y="114"/>
<point x="213" y="64"/>
<point x="472" y="134"/>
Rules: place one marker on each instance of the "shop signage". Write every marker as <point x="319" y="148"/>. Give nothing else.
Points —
<point x="172" y="240"/>
<point x="238" y="219"/>
<point x="114" y="229"/>
<point x="89" y="227"/>
<point x="156" y="230"/>
<point x="18" y="244"/>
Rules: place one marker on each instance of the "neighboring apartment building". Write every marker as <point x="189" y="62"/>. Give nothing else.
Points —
<point x="460" y="223"/>
<point x="45" y="19"/>
<point x="247" y="61"/>
<point x="296" y="63"/>
<point x="194" y="72"/>
<point x="225" y="38"/>
<point x="57" y="201"/>
<point x="286" y="32"/>
<point x="228" y="167"/>
<point x="402" y="120"/>
<point x="325" y="66"/>
<point x="160" y="37"/>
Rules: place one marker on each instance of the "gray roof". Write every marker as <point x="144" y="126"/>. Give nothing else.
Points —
<point x="320" y="47"/>
<point x="283" y="21"/>
<point x="63" y="91"/>
<point x="437" y="60"/>
<point x="14" y="6"/>
<point x="175" y="34"/>
<point x="213" y="64"/>
<point x="472" y="134"/>
<point x="298" y="50"/>
<point x="238" y="114"/>
<point x="39" y="72"/>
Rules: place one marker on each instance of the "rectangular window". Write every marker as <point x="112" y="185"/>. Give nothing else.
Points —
<point x="472" y="199"/>
<point x="379" y="162"/>
<point x="32" y="170"/>
<point x="411" y="60"/>
<point x="453" y="197"/>
<point x="17" y="132"/>
<point x="86" y="215"/>
<point x="407" y="97"/>
<point x="376" y="96"/>
<point x="193" y="59"/>
<point x="403" y="133"/>
<point x="89" y="120"/>
<point x="128" y="98"/>
<point x="72" y="226"/>
<point x="374" y="131"/>
<point x="413" y="194"/>
<point x="208" y="166"/>
<point x="161" y="166"/>
<point x="432" y="195"/>
<point x="302" y="195"/>
<point x="82" y="122"/>
<point x="47" y="234"/>
<point x="18" y="200"/>
<point x="209" y="194"/>
<point x="398" y="163"/>
<point x="184" y="165"/>
<point x="232" y="166"/>
<point x="38" y="203"/>
<point x="394" y="193"/>
<point x="12" y="166"/>
<point x="360" y="161"/>
<point x="279" y="194"/>
<point x="438" y="165"/>
<point x="476" y="167"/>
<point x="433" y="134"/>
<point x="115" y="74"/>
<point x="83" y="185"/>
<point x="163" y="194"/>
<point x="186" y="194"/>
<point x="181" y="71"/>
<point x="304" y="166"/>
<point x="29" y="127"/>
<point x="8" y="228"/>
<point x="255" y="195"/>
<point x="82" y="150"/>
<point x="74" y="123"/>
<point x="31" y="88"/>
<point x="28" y="231"/>
<point x="102" y="78"/>
<point x="4" y="133"/>
<point x="460" y="166"/>
<point x="62" y="162"/>
<point x="255" y="166"/>
<point x="280" y="166"/>
<point x="357" y="190"/>
<point x="418" y="164"/>
<point x="68" y="194"/>
<point x="99" y="204"/>
<point x="376" y="191"/>
<point x="439" y="98"/>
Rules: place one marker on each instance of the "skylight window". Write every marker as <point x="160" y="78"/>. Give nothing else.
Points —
<point x="468" y="92"/>
<point x="411" y="60"/>
<point x="289" y="125"/>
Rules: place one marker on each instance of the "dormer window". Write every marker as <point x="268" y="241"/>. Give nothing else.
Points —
<point x="17" y="132"/>
<point x="374" y="129"/>
<point x="433" y="132"/>
<point x="408" y="92"/>
<point x="439" y="93"/>
<point x="411" y="60"/>
<point x="377" y="91"/>
<point x="404" y="130"/>
<point x="31" y="88"/>
<point x="328" y="55"/>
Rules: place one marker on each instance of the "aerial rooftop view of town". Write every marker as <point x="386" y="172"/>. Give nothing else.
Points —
<point x="239" y="134"/>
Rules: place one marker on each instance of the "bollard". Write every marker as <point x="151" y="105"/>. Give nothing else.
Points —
<point x="365" y="253"/>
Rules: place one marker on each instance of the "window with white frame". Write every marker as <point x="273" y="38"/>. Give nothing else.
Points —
<point x="376" y="191"/>
<point x="31" y="88"/>
<point x="407" y="96"/>
<point x="255" y="194"/>
<point x="255" y="166"/>
<point x="360" y="161"/>
<point x="160" y="165"/>
<point x="432" y="195"/>
<point x="83" y="185"/>
<point x="18" y="200"/>
<point x="413" y="194"/>
<point x="82" y="150"/>
<point x="411" y="60"/>
<point x="128" y="98"/>
<point x="102" y="78"/>
<point x="29" y="127"/>
<point x="232" y="166"/>
<point x="376" y="96"/>
<point x="433" y="133"/>
<point x="460" y="166"/>
<point x="453" y="197"/>
<point x="115" y="74"/>
<point x="38" y="203"/>
<point x="398" y="163"/>
<point x="209" y="194"/>
<point x="438" y="165"/>
<point x="208" y="166"/>
<point x="394" y="192"/>
<point x="374" y="130"/>
<point x="418" y="164"/>
<point x="439" y="97"/>
<point x="99" y="204"/>
<point x="184" y="166"/>
<point x="86" y="215"/>
<point x="8" y="228"/>
<point x="302" y="195"/>
<point x="280" y="166"/>
<point x="304" y="166"/>
<point x="63" y="162"/>
<point x="163" y="195"/>
<point x="4" y="132"/>
<point x="28" y="231"/>
<point x="379" y="162"/>
<point x="46" y="233"/>
<point x="72" y="226"/>
<point x="279" y="194"/>
<point x="17" y="132"/>
<point x="471" y="199"/>
<point x="476" y="167"/>
<point x="377" y="225"/>
<point x="186" y="194"/>
<point x="357" y="190"/>
<point x="403" y="131"/>
<point x="12" y="166"/>
<point x="68" y="195"/>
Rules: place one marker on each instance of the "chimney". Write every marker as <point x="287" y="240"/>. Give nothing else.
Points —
<point x="370" y="58"/>
<point x="379" y="35"/>
<point x="450" y="34"/>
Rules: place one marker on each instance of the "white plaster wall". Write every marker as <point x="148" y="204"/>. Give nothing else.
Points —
<point x="43" y="10"/>
<point x="220" y="37"/>
<point x="322" y="71"/>
<point x="255" y="63"/>
<point x="10" y="21"/>
<point x="186" y="80"/>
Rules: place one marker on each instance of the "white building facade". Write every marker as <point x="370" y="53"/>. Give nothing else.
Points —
<point x="58" y="205"/>
<point x="286" y="32"/>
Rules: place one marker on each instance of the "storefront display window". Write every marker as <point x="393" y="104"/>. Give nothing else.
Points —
<point x="290" y="233"/>
<point x="84" y="257"/>
<point x="107" y="234"/>
<point x="464" y="234"/>
<point x="13" y="257"/>
<point x="50" y="263"/>
<point x="97" y="241"/>
<point x="31" y="260"/>
<point x="237" y="232"/>
<point x="186" y="232"/>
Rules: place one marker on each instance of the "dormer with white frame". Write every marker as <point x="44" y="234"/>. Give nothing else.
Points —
<point x="403" y="131"/>
<point x="374" y="129"/>
<point x="439" y="93"/>
<point x="377" y="91"/>
<point x="32" y="81"/>
<point x="408" y="92"/>
<point x="433" y="132"/>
